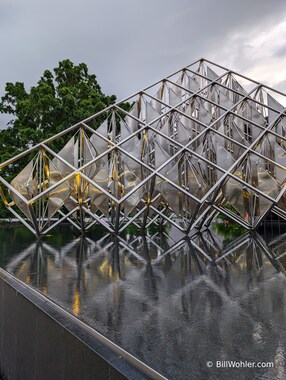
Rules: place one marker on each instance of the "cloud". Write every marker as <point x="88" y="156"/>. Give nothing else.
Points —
<point x="258" y="53"/>
<point x="129" y="44"/>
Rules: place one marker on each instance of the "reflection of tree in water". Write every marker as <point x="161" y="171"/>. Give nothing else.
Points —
<point x="11" y="236"/>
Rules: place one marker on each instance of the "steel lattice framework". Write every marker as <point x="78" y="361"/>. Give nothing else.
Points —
<point x="201" y="142"/>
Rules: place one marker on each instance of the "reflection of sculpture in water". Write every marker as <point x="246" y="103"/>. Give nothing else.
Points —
<point x="146" y="292"/>
<point x="84" y="262"/>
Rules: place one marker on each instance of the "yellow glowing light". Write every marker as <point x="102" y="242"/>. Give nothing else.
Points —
<point x="76" y="303"/>
<point x="3" y="196"/>
<point x="45" y="290"/>
<point x="103" y="266"/>
<point x="78" y="185"/>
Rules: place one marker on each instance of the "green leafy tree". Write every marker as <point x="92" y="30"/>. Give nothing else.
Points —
<point x="61" y="98"/>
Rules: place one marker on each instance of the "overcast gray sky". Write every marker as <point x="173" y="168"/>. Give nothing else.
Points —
<point x="129" y="44"/>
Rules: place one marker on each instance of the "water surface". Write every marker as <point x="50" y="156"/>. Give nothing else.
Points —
<point x="173" y="302"/>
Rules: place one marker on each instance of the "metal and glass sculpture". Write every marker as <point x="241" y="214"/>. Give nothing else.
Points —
<point x="202" y="142"/>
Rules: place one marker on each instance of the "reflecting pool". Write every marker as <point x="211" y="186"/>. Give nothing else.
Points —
<point x="174" y="302"/>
